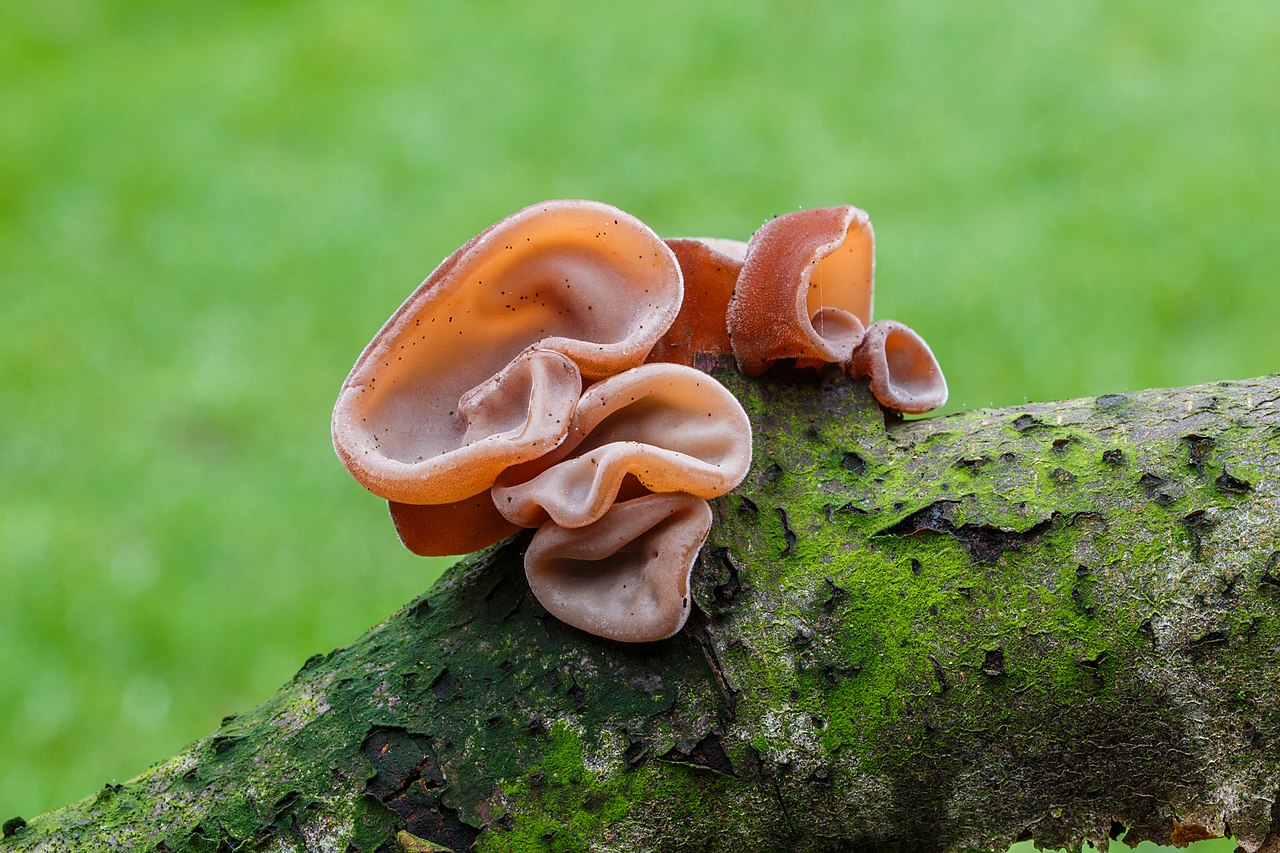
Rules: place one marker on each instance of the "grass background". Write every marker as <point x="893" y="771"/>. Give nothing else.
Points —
<point x="207" y="209"/>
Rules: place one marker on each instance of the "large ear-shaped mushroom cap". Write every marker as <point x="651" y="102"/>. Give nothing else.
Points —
<point x="710" y="269"/>
<point x="438" y="530"/>
<point x="577" y="278"/>
<point x="626" y="576"/>
<point x="903" y="371"/>
<point x="433" y="455"/>
<point x="666" y="427"/>
<point x="805" y="291"/>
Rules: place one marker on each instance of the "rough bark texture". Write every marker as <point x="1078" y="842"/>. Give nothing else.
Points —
<point x="1056" y="621"/>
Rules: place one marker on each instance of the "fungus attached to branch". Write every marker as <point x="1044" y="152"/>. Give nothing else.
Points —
<point x="659" y="428"/>
<point x="903" y="372"/>
<point x="467" y="413"/>
<point x="482" y="366"/>
<point x="626" y="575"/>
<point x="805" y="291"/>
<point x="430" y="457"/>
<point x="710" y="269"/>
<point x="439" y="530"/>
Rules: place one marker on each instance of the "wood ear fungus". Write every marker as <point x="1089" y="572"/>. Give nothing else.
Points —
<point x="549" y="374"/>
<point x="665" y="427"/>
<point x="625" y="576"/>
<point x="903" y="373"/>
<point x="805" y="291"/>
<point x="482" y="366"/>
<point x="711" y="268"/>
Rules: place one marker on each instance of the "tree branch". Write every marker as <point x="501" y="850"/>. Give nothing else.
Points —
<point x="1054" y="622"/>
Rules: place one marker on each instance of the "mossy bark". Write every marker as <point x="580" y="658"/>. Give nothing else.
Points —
<point x="1054" y="621"/>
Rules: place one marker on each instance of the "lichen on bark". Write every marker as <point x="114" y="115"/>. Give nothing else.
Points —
<point x="1052" y="622"/>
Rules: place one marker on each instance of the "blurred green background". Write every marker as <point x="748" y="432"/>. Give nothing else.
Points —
<point x="206" y="210"/>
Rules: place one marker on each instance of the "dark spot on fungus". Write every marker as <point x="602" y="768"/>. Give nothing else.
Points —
<point x="1113" y="457"/>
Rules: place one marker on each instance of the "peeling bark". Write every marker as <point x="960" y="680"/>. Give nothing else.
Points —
<point x="1058" y="621"/>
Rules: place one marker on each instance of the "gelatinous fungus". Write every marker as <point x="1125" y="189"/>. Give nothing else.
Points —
<point x="711" y="268"/>
<point x="467" y="411"/>
<point x="902" y="370"/>
<point x="666" y="427"/>
<point x="806" y="289"/>
<point x="626" y="575"/>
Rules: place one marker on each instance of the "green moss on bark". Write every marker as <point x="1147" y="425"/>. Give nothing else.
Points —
<point x="940" y="634"/>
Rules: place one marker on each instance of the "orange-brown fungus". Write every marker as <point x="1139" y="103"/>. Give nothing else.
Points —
<point x="805" y="291"/>
<point x="446" y="396"/>
<point x="467" y="411"/>
<point x="711" y="269"/>
<point x="904" y="374"/>
<point x="625" y="576"/>
<point x="438" y="530"/>
<point x="432" y="454"/>
<point x="663" y="427"/>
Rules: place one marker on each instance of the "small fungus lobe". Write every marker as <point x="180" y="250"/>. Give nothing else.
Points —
<point x="903" y="372"/>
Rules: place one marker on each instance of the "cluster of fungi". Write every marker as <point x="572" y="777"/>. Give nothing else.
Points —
<point x="545" y="376"/>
